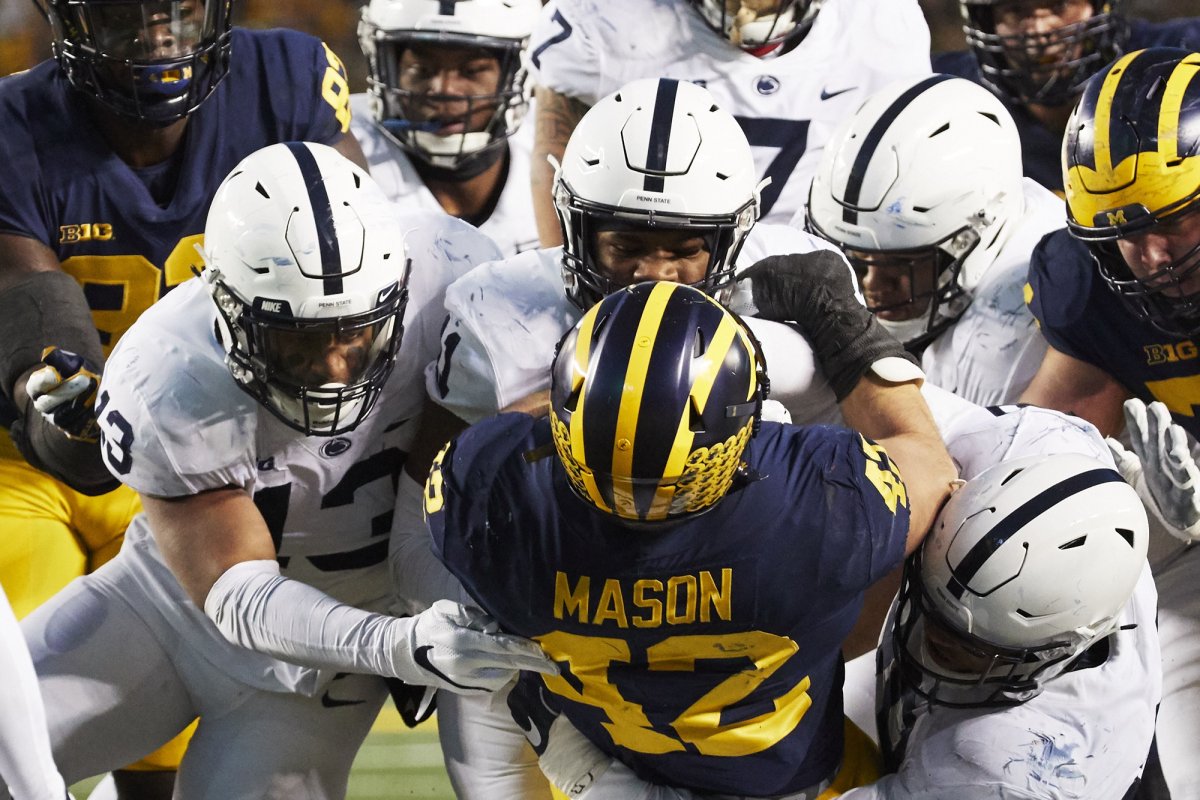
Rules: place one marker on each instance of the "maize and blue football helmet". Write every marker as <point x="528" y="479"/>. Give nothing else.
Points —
<point x="655" y="394"/>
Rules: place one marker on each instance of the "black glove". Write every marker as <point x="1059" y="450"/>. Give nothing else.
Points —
<point x="816" y="291"/>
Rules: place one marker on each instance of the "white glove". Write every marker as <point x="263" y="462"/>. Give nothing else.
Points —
<point x="566" y="757"/>
<point x="1161" y="468"/>
<point x="451" y="646"/>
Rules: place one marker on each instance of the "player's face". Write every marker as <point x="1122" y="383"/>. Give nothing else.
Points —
<point x="443" y="78"/>
<point x="1149" y="253"/>
<point x="315" y="358"/>
<point x="629" y="256"/>
<point x="896" y="287"/>
<point x="148" y="31"/>
<point x="1036" y="21"/>
<point x="952" y="652"/>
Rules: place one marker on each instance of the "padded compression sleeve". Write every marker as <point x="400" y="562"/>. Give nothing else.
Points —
<point x="48" y="308"/>
<point x="45" y="308"/>
<point x="255" y="607"/>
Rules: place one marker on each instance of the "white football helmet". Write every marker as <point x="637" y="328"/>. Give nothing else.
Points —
<point x="656" y="153"/>
<point x="499" y="27"/>
<point x="752" y="24"/>
<point x="303" y="252"/>
<point x="926" y="168"/>
<point x="1026" y="567"/>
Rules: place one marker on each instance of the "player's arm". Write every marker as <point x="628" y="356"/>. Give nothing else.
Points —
<point x="347" y="144"/>
<point x="40" y="307"/>
<point x="896" y="417"/>
<point x="556" y="117"/>
<point x="220" y="549"/>
<point x="1066" y="383"/>
<point x="874" y="379"/>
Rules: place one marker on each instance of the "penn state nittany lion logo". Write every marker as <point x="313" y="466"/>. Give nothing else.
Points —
<point x="766" y="84"/>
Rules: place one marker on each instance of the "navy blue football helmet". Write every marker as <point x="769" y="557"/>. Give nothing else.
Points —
<point x="151" y="60"/>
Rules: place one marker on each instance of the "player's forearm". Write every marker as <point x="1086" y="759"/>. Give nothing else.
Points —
<point x="255" y="607"/>
<point x="557" y="116"/>
<point x="896" y="417"/>
<point x="38" y="309"/>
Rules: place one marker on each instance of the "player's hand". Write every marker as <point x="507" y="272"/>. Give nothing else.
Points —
<point x="460" y="649"/>
<point x="64" y="392"/>
<point x="1161" y="467"/>
<point x="567" y="758"/>
<point x="817" y="291"/>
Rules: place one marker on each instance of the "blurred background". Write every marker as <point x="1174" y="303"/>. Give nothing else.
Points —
<point x="25" y="36"/>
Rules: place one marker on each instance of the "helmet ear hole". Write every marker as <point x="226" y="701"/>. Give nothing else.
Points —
<point x="699" y="345"/>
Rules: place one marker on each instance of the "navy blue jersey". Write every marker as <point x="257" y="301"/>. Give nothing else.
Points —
<point x="64" y="186"/>
<point x="704" y="655"/>
<point x="1083" y="318"/>
<point x="1041" y="148"/>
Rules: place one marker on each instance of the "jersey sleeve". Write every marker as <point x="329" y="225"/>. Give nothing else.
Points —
<point x="562" y="52"/>
<point x="173" y="425"/>
<point x="1061" y="277"/>
<point x="308" y="88"/>
<point x="503" y="322"/>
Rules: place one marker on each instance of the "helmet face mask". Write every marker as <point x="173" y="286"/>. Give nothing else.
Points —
<point x="1043" y="68"/>
<point x="983" y="616"/>
<point x="935" y="297"/>
<point x="655" y="446"/>
<point x="408" y="43"/>
<point x="754" y="24"/>
<point x="951" y="668"/>
<point x="589" y="279"/>
<point x="657" y="155"/>
<point x="305" y="263"/>
<point x="154" y="61"/>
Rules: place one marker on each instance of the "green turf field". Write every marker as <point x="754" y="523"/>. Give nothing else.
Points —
<point x="395" y="762"/>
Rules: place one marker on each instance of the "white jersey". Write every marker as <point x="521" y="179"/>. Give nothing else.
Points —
<point x="177" y="424"/>
<point x="510" y="224"/>
<point x="1088" y="733"/>
<point x="788" y="105"/>
<point x="991" y="353"/>
<point x="505" y="319"/>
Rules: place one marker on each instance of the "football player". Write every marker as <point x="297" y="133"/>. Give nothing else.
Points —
<point x="1036" y="56"/>
<point x="922" y="190"/>
<point x="1007" y="683"/>
<point x="109" y="156"/>
<point x="787" y="73"/>
<point x="647" y="516"/>
<point x="440" y="123"/>
<point x="1118" y="301"/>
<point x="263" y="412"/>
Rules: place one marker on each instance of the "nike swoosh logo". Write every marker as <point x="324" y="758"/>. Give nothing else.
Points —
<point x="421" y="656"/>
<point x="532" y="734"/>
<point x="826" y="94"/>
<point x="329" y="702"/>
